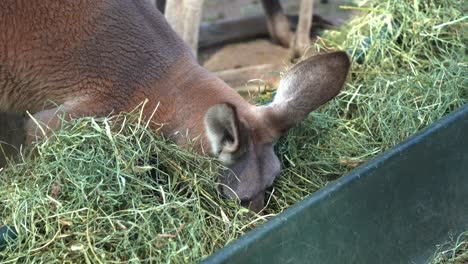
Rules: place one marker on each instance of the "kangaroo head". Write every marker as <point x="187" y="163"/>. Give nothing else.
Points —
<point x="242" y="139"/>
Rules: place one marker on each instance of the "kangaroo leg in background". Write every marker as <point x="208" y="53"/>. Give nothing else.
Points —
<point x="185" y="16"/>
<point x="277" y="22"/>
<point x="302" y="39"/>
<point x="278" y="25"/>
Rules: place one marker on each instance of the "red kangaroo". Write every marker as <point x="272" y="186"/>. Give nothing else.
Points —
<point x="78" y="58"/>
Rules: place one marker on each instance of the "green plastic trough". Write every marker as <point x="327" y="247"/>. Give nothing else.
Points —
<point x="393" y="209"/>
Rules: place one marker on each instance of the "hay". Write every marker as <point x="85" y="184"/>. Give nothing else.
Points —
<point x="107" y="191"/>
<point x="454" y="251"/>
<point x="102" y="195"/>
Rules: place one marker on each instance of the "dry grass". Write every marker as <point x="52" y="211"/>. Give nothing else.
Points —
<point x="454" y="251"/>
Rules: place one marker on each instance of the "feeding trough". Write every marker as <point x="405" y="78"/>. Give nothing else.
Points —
<point x="393" y="209"/>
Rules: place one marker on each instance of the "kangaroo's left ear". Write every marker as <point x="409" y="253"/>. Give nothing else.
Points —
<point x="224" y="132"/>
<point x="306" y="86"/>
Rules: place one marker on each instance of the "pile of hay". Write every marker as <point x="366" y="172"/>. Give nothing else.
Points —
<point x="102" y="195"/>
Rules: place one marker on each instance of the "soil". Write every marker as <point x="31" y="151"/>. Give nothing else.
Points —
<point x="237" y="55"/>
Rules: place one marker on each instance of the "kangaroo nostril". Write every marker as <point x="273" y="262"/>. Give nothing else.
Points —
<point x="220" y="189"/>
<point x="256" y="203"/>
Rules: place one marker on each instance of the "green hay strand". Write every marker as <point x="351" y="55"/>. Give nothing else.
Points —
<point x="454" y="251"/>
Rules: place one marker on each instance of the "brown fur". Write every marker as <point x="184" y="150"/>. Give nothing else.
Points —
<point x="97" y="57"/>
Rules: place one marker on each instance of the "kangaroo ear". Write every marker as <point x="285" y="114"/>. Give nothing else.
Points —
<point x="306" y="86"/>
<point x="224" y="132"/>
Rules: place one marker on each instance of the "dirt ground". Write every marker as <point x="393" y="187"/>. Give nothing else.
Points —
<point x="247" y="53"/>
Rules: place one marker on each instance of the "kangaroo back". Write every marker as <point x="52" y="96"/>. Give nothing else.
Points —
<point x="71" y="51"/>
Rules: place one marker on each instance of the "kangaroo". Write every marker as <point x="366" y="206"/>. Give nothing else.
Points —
<point x="79" y="58"/>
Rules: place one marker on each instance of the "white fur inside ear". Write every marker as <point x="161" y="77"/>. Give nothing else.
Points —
<point x="284" y="91"/>
<point x="222" y="132"/>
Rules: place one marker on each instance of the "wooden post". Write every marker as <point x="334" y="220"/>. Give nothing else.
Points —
<point x="192" y="19"/>
<point x="173" y="12"/>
